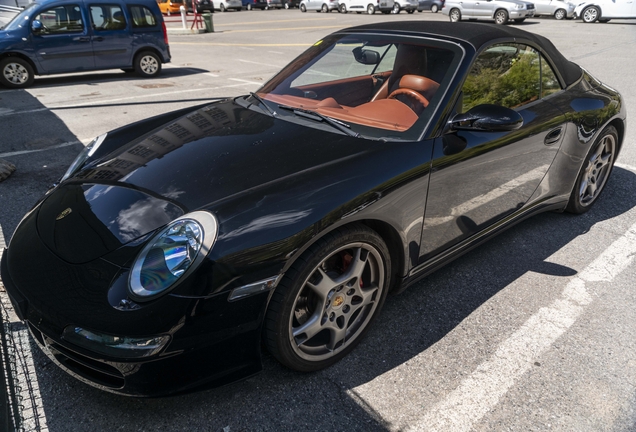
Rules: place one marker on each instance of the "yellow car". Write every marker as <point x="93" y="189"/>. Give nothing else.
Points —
<point x="168" y="7"/>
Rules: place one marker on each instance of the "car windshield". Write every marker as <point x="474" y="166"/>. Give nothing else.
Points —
<point x="377" y="85"/>
<point x="20" y="19"/>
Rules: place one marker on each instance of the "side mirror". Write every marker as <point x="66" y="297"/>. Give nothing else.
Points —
<point x="36" y="27"/>
<point x="365" y="56"/>
<point x="492" y="118"/>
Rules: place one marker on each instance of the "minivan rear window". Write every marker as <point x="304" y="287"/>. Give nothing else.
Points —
<point x="142" y="16"/>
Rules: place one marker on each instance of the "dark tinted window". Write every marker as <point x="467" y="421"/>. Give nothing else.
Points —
<point x="142" y="16"/>
<point x="549" y="82"/>
<point x="107" y="17"/>
<point x="61" y="19"/>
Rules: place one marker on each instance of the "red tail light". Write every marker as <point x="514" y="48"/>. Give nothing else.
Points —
<point x="165" y="32"/>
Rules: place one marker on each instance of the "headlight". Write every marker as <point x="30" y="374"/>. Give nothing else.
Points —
<point x="88" y="151"/>
<point x="519" y="6"/>
<point x="172" y="254"/>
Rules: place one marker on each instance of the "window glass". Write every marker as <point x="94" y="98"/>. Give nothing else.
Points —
<point x="549" y="82"/>
<point x="388" y="60"/>
<point x="107" y="17"/>
<point x="142" y="17"/>
<point x="506" y="75"/>
<point x="61" y="19"/>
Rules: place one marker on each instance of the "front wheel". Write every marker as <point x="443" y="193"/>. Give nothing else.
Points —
<point x="327" y="300"/>
<point x="595" y="172"/>
<point x="370" y="9"/>
<point x="410" y="11"/>
<point x="590" y="14"/>
<point x="455" y="15"/>
<point x="325" y="8"/>
<point x="286" y="5"/>
<point x="147" y="64"/>
<point x="303" y="8"/>
<point x="396" y="8"/>
<point x="343" y="8"/>
<point x="222" y="7"/>
<point x="16" y="73"/>
<point x="249" y="7"/>
<point x="434" y="8"/>
<point x="501" y="17"/>
<point x="560" y="14"/>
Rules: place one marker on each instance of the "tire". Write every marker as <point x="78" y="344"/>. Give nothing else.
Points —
<point x="303" y="8"/>
<point x="595" y="172"/>
<point x="519" y="20"/>
<point x="396" y="8"/>
<point x="147" y="64"/>
<point x="410" y="11"/>
<point x="455" y="15"/>
<point x="501" y="17"/>
<point x="343" y="8"/>
<point x="327" y="300"/>
<point x="324" y="8"/>
<point x="590" y="14"/>
<point x="434" y="8"/>
<point x="249" y="7"/>
<point x="16" y="73"/>
<point x="560" y="14"/>
<point x="222" y="8"/>
<point x="370" y="9"/>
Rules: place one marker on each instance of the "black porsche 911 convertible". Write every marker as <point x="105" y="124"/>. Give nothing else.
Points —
<point x="173" y="249"/>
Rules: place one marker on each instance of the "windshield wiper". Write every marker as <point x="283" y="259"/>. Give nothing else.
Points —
<point x="262" y="102"/>
<point x="341" y="126"/>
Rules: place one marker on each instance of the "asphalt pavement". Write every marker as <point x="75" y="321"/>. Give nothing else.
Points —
<point x="533" y="331"/>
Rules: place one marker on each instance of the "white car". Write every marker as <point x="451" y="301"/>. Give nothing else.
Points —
<point x="559" y="9"/>
<point x="224" y="5"/>
<point x="501" y="11"/>
<point x="318" y="5"/>
<point x="368" y="6"/>
<point x="604" y="10"/>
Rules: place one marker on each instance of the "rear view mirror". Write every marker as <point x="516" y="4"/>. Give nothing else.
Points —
<point x="366" y="56"/>
<point x="36" y="27"/>
<point x="487" y="117"/>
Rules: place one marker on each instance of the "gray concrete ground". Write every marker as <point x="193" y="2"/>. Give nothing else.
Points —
<point x="533" y="331"/>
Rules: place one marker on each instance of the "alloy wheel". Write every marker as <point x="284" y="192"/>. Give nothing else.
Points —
<point x="15" y="73"/>
<point x="149" y="65"/>
<point x="590" y="14"/>
<point x="455" y="15"/>
<point x="559" y="14"/>
<point x="597" y="169"/>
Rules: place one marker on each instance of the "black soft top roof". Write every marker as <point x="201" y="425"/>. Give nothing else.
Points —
<point x="478" y="35"/>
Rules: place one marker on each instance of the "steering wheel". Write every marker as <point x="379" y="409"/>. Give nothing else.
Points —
<point x="410" y="93"/>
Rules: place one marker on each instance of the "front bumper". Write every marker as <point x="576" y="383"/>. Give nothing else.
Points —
<point x="515" y="14"/>
<point x="213" y="341"/>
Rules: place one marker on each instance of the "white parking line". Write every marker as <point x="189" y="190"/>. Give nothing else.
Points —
<point x="56" y="146"/>
<point x="481" y="391"/>
<point x="246" y="81"/>
<point x="260" y="64"/>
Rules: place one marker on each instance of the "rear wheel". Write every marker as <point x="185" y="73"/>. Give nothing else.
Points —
<point x="343" y="8"/>
<point x="501" y="17"/>
<point x="303" y="8"/>
<point x="370" y="9"/>
<point x="560" y="14"/>
<point x="595" y="172"/>
<point x="327" y="300"/>
<point x="147" y="64"/>
<point x="410" y="11"/>
<point x="590" y="14"/>
<point x="16" y="73"/>
<point x="286" y="5"/>
<point x="434" y="8"/>
<point x="223" y="8"/>
<point x="249" y="7"/>
<point x="455" y="15"/>
<point x="325" y="8"/>
<point x="396" y="8"/>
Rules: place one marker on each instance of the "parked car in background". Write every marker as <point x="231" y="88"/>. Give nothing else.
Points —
<point x="55" y="36"/>
<point x="430" y="5"/>
<point x="368" y="6"/>
<point x="225" y="5"/>
<point x="604" y="10"/>
<point x="409" y="6"/>
<point x="318" y="5"/>
<point x="200" y="5"/>
<point x="290" y="4"/>
<point x="255" y="4"/>
<point x="501" y="11"/>
<point x="274" y="4"/>
<point x="169" y="7"/>
<point x="559" y="9"/>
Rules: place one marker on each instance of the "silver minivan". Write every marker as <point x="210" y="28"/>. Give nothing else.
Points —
<point x="501" y="11"/>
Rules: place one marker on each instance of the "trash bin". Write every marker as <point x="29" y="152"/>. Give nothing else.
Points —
<point x="207" y="20"/>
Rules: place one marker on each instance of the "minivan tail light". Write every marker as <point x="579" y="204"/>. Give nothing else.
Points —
<point x="165" y="32"/>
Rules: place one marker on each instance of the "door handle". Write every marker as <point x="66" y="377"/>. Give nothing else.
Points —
<point x="82" y="39"/>
<point x="553" y="136"/>
<point x="98" y="38"/>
